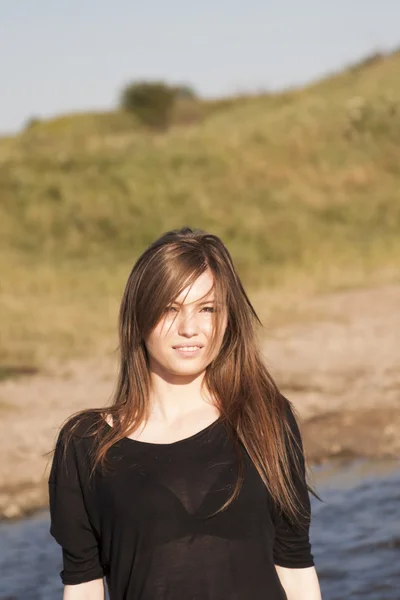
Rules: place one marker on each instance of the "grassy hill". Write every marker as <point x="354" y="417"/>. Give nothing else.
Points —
<point x="303" y="186"/>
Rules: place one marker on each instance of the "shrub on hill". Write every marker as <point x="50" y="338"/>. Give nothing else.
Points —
<point x="151" y="102"/>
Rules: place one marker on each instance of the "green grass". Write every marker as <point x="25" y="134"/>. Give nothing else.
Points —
<point x="303" y="186"/>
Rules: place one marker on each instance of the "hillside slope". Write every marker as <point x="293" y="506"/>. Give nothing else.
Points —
<point x="303" y="186"/>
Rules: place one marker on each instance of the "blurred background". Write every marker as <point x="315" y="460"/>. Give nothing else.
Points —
<point x="273" y="125"/>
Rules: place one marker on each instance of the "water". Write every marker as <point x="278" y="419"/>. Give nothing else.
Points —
<point x="356" y="532"/>
<point x="355" y="536"/>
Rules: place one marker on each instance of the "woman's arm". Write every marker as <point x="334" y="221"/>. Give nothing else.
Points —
<point x="90" y="590"/>
<point x="71" y="523"/>
<point x="299" y="584"/>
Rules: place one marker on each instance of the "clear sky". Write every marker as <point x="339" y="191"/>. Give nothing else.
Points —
<point x="58" y="57"/>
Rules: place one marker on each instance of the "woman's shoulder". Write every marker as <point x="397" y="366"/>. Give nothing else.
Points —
<point x="82" y="424"/>
<point x="289" y="411"/>
<point x="76" y="441"/>
<point x="292" y="429"/>
<point x="80" y="432"/>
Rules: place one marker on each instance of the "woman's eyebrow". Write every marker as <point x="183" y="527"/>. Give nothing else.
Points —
<point x="212" y="301"/>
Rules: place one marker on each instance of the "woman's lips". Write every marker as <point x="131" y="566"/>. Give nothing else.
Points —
<point x="188" y="350"/>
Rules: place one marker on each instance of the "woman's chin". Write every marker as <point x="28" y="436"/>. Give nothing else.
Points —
<point x="187" y="370"/>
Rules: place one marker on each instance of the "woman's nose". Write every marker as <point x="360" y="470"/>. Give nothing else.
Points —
<point x="187" y="323"/>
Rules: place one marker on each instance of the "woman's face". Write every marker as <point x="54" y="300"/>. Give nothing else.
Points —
<point x="180" y="343"/>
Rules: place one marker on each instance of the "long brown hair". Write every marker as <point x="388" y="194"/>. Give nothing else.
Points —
<point x="256" y="414"/>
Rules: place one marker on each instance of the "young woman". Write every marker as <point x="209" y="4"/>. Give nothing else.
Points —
<point x="191" y="484"/>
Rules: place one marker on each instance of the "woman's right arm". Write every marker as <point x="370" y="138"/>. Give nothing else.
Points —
<point x="90" y="590"/>
<point x="71" y="526"/>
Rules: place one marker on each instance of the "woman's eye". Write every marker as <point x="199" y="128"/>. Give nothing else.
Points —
<point x="209" y="309"/>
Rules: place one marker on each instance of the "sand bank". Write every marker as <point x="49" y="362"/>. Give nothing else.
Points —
<point x="339" y="363"/>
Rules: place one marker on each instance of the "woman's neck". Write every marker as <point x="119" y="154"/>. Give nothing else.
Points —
<point x="172" y="400"/>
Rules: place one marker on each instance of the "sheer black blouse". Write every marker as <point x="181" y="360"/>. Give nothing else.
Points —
<point x="143" y="526"/>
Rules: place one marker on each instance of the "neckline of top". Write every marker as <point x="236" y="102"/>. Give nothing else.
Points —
<point x="191" y="437"/>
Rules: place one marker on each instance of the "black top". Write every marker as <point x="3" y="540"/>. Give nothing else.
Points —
<point x="143" y="527"/>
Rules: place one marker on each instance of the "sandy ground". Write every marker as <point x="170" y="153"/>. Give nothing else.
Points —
<point x="338" y="362"/>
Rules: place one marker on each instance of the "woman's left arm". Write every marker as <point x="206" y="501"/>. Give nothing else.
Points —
<point x="299" y="584"/>
<point x="293" y="558"/>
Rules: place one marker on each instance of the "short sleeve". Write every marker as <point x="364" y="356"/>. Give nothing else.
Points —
<point x="292" y="547"/>
<point x="69" y="520"/>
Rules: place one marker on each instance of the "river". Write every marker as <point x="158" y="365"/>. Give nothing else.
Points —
<point x="355" y="535"/>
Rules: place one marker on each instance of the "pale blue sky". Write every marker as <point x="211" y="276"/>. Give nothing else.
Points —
<point x="58" y="57"/>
